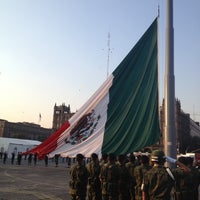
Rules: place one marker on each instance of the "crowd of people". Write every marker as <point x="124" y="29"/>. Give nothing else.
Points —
<point x="4" y="157"/>
<point x="126" y="177"/>
<point x="32" y="159"/>
<point x="17" y="158"/>
<point x="133" y="177"/>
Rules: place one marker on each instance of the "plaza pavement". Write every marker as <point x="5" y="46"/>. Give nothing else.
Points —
<point x="23" y="182"/>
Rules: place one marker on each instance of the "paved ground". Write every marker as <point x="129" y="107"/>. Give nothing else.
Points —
<point x="23" y="182"/>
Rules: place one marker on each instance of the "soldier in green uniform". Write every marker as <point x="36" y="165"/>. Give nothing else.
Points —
<point x="157" y="184"/>
<point x="187" y="182"/>
<point x="124" y="179"/>
<point x="159" y="181"/>
<point x="104" y="159"/>
<point x="94" y="184"/>
<point x="103" y="180"/>
<point x="139" y="174"/>
<point x="195" y="177"/>
<point x="131" y="167"/>
<point x="110" y="178"/>
<point x="78" y="179"/>
<point x="183" y="189"/>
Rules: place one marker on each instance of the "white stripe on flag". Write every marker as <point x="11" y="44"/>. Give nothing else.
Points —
<point x="98" y="102"/>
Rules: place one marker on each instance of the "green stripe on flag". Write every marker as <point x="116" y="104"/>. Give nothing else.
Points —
<point x="132" y="115"/>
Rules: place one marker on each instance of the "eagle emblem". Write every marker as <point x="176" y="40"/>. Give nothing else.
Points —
<point x="84" y="128"/>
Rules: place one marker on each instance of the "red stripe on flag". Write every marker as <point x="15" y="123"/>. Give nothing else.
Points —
<point x="49" y="144"/>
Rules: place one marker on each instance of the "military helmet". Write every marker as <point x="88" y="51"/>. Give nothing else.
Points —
<point x="158" y="156"/>
<point x="94" y="156"/>
<point x="79" y="157"/>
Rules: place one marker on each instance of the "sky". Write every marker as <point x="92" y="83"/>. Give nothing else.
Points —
<point x="56" y="51"/>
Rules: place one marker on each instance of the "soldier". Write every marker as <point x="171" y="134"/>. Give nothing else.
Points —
<point x="110" y="178"/>
<point x="124" y="179"/>
<point x="94" y="184"/>
<point x="183" y="182"/>
<point x="131" y="167"/>
<point x="186" y="183"/>
<point x="103" y="164"/>
<point x="104" y="159"/>
<point x="78" y="179"/>
<point x="158" y="181"/>
<point x="195" y="177"/>
<point x="139" y="174"/>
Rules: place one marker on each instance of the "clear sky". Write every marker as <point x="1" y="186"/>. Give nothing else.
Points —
<point x="55" y="51"/>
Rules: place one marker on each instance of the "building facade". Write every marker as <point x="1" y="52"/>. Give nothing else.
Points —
<point x="187" y="131"/>
<point x="61" y="114"/>
<point x="194" y="145"/>
<point x="31" y="131"/>
<point x="23" y="130"/>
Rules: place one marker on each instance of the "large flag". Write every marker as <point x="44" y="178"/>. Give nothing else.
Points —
<point x="122" y="116"/>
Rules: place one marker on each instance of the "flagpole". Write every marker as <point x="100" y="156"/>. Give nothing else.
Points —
<point x="169" y="106"/>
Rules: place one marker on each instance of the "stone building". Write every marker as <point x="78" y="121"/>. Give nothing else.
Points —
<point x="61" y="114"/>
<point x="23" y="130"/>
<point x="194" y="143"/>
<point x="31" y="131"/>
<point x="185" y="129"/>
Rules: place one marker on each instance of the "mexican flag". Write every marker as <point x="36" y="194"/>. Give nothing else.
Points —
<point x="122" y="116"/>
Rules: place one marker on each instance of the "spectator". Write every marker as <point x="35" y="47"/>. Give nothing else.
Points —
<point x="12" y="157"/>
<point x="35" y="159"/>
<point x="56" y="159"/>
<point x="5" y="156"/>
<point x="46" y="159"/>
<point x="30" y="159"/>
<point x="19" y="158"/>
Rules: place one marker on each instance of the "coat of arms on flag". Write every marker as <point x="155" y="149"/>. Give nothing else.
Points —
<point x="84" y="128"/>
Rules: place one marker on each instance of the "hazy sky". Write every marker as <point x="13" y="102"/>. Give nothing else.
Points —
<point x="56" y="51"/>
